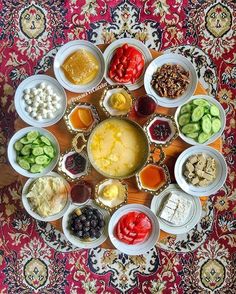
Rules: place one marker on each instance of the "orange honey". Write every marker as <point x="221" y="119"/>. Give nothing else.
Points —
<point x="152" y="176"/>
<point x="81" y="118"/>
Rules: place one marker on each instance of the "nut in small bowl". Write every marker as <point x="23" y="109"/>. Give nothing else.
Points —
<point x="161" y="129"/>
<point x="111" y="194"/>
<point x="116" y="100"/>
<point x="81" y="117"/>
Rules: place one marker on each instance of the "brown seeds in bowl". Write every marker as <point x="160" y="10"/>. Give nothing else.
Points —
<point x="170" y="80"/>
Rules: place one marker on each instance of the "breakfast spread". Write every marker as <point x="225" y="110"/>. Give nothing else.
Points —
<point x="42" y="102"/>
<point x="34" y="152"/>
<point x="133" y="228"/>
<point x="87" y="223"/>
<point x="176" y="209"/>
<point x="81" y="67"/>
<point x="170" y="80"/>
<point x="200" y="170"/>
<point x="127" y="64"/>
<point x="117" y="147"/>
<point x="47" y="195"/>
<point x="199" y="120"/>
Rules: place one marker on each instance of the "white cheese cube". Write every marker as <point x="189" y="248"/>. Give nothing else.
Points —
<point x="166" y="213"/>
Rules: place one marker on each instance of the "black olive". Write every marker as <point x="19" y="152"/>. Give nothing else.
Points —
<point x="101" y="223"/>
<point x="86" y="234"/>
<point x="92" y="233"/>
<point x="98" y="234"/>
<point x="83" y="218"/>
<point x="87" y="224"/>
<point x="79" y="234"/>
<point x="94" y="223"/>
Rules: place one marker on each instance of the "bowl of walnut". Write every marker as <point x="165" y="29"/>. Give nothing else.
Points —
<point x="200" y="170"/>
<point x="171" y="78"/>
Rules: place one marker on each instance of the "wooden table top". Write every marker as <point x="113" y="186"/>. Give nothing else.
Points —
<point x="172" y="152"/>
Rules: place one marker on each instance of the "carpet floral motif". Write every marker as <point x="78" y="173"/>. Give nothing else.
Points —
<point x="34" y="257"/>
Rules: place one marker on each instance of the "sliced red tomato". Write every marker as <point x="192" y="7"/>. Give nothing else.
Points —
<point x="127" y="239"/>
<point x="140" y="238"/>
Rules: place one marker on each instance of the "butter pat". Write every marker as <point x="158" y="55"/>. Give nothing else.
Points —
<point x="110" y="192"/>
<point x="176" y="209"/>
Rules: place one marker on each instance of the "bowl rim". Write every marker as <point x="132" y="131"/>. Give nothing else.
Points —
<point x="212" y="138"/>
<point x="11" y="157"/>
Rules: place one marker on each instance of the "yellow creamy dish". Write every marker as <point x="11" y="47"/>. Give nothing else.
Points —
<point x="117" y="148"/>
<point x="81" y="67"/>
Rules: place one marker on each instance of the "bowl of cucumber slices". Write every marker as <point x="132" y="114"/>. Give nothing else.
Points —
<point x="33" y="152"/>
<point x="201" y="120"/>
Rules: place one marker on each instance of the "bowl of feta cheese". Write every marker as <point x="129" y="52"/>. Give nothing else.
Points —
<point x="40" y="101"/>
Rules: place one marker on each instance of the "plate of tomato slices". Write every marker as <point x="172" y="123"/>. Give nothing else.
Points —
<point x="126" y="61"/>
<point x="134" y="229"/>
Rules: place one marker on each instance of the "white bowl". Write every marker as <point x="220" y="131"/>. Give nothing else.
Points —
<point x="20" y="104"/>
<point x="139" y="248"/>
<point x="35" y="215"/>
<point x="170" y="58"/>
<point x="194" y="215"/>
<point x="76" y="241"/>
<point x="221" y="171"/>
<point x="11" y="153"/>
<point x="67" y="50"/>
<point x="109" y="52"/>
<point x="222" y="118"/>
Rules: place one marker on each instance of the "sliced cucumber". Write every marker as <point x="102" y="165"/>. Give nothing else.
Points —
<point x="184" y="119"/>
<point x="203" y="137"/>
<point x="36" y="168"/>
<point x="197" y="113"/>
<point x="37" y="151"/>
<point x="26" y="150"/>
<point x="48" y="150"/>
<point x="45" y="140"/>
<point x="216" y="125"/>
<point x="24" y="164"/>
<point x="201" y="102"/>
<point x="30" y="159"/>
<point x="42" y="159"/>
<point x="185" y="108"/>
<point x="190" y="128"/>
<point x="192" y="135"/>
<point x="25" y="141"/>
<point x="37" y="141"/>
<point x="206" y="124"/>
<point x="18" y="146"/>
<point x="214" y="111"/>
<point x="33" y="135"/>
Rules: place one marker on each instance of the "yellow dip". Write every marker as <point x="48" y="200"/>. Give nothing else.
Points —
<point x="120" y="101"/>
<point x="81" y="67"/>
<point x="117" y="147"/>
<point x="110" y="192"/>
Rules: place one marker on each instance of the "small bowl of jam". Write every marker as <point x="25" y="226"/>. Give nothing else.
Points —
<point x="73" y="165"/>
<point x="161" y="129"/>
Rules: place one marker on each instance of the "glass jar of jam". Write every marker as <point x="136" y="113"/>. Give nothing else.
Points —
<point x="81" y="192"/>
<point x="145" y="105"/>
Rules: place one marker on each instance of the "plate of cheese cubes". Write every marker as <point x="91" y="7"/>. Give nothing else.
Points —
<point x="177" y="211"/>
<point x="40" y="101"/>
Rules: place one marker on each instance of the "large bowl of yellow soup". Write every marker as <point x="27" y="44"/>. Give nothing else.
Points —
<point x="118" y="148"/>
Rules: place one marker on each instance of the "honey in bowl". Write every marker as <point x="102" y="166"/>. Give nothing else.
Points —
<point x="152" y="177"/>
<point x="81" y="67"/>
<point x="117" y="148"/>
<point x="81" y="118"/>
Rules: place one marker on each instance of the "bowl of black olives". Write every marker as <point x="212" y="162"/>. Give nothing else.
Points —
<point x="86" y="226"/>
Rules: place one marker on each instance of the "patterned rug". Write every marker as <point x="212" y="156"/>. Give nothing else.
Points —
<point x="34" y="257"/>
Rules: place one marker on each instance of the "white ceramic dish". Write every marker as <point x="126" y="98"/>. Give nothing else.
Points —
<point x="194" y="216"/>
<point x="67" y="50"/>
<point x="11" y="153"/>
<point x="35" y="215"/>
<point x="139" y="248"/>
<point x="32" y="82"/>
<point x="77" y="241"/>
<point x="110" y="50"/>
<point x="222" y="118"/>
<point x="170" y="58"/>
<point x="221" y="171"/>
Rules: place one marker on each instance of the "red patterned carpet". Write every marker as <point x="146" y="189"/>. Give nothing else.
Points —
<point x="34" y="257"/>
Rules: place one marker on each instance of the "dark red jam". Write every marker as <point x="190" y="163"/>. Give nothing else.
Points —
<point x="75" y="163"/>
<point x="145" y="106"/>
<point x="160" y="130"/>
<point x="81" y="192"/>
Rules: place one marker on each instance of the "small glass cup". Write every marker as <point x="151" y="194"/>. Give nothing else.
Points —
<point x="145" y="105"/>
<point x="81" y="192"/>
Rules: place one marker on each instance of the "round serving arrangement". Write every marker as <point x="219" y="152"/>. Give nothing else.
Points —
<point x="123" y="148"/>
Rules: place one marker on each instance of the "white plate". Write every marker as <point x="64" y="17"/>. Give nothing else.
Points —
<point x="32" y="82"/>
<point x="170" y="58"/>
<point x="194" y="216"/>
<point x="222" y="118"/>
<point x="221" y="171"/>
<point x="139" y="248"/>
<point x="77" y="241"/>
<point x="67" y="50"/>
<point x="35" y="215"/>
<point x="110" y="50"/>
<point x="11" y="153"/>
